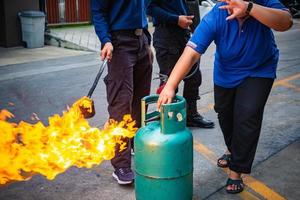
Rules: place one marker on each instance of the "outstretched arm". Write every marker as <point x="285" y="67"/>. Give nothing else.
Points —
<point x="188" y="58"/>
<point x="277" y="19"/>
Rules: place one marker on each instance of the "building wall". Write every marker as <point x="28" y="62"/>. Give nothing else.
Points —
<point x="2" y="20"/>
<point x="10" y="22"/>
<point x="68" y="11"/>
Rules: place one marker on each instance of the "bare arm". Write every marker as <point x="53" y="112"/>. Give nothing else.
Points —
<point x="277" y="19"/>
<point x="188" y="58"/>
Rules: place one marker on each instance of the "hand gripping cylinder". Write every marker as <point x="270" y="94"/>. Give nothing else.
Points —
<point x="164" y="153"/>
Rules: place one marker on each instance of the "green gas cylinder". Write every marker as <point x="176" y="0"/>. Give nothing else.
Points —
<point x="164" y="153"/>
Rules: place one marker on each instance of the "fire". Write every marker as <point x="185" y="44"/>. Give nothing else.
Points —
<point x="68" y="140"/>
<point x="84" y="102"/>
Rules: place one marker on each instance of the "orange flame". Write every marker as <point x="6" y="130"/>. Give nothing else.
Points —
<point x="67" y="141"/>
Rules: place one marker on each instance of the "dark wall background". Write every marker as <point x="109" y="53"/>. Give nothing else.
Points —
<point x="10" y="34"/>
<point x="2" y="20"/>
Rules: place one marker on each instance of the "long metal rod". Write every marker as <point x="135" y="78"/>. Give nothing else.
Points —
<point x="97" y="79"/>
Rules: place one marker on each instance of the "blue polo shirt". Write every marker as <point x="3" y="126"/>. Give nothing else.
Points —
<point x="242" y="51"/>
<point x="111" y="15"/>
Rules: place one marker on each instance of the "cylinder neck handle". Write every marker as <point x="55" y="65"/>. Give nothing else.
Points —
<point x="172" y="116"/>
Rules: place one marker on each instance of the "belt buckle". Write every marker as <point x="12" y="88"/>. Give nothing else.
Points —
<point x="138" y="32"/>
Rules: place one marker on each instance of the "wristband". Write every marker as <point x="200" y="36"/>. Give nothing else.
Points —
<point x="249" y="8"/>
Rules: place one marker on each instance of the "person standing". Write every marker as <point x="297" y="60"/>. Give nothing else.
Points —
<point x="171" y="21"/>
<point x="245" y="65"/>
<point x="122" y="29"/>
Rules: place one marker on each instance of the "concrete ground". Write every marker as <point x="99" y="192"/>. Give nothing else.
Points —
<point x="36" y="83"/>
<point x="19" y="55"/>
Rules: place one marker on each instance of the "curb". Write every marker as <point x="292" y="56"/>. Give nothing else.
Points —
<point x="58" y="42"/>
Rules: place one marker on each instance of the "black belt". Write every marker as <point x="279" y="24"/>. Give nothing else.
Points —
<point x="137" y="32"/>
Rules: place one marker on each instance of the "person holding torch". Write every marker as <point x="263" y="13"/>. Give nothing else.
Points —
<point x="122" y="29"/>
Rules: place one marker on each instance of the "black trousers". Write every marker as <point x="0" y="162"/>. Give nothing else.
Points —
<point x="169" y="43"/>
<point x="240" y="114"/>
<point x="127" y="82"/>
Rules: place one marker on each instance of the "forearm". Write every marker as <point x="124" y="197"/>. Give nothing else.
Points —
<point x="279" y="20"/>
<point x="188" y="58"/>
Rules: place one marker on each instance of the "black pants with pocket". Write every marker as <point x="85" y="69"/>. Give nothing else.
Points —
<point x="169" y="42"/>
<point x="127" y="82"/>
<point x="240" y="113"/>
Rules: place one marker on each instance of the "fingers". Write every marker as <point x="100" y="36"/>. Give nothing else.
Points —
<point x="106" y="54"/>
<point x="163" y="99"/>
<point x="102" y="55"/>
<point x="109" y="55"/>
<point x="169" y="100"/>
<point x="225" y="7"/>
<point x="185" y="21"/>
<point x="190" y="17"/>
<point x="107" y="51"/>
<point x="159" y="102"/>
<point x="234" y="15"/>
<point x="225" y="1"/>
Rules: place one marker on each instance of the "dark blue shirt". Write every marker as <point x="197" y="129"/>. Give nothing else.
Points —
<point x="242" y="51"/>
<point x="166" y="11"/>
<point x="113" y="15"/>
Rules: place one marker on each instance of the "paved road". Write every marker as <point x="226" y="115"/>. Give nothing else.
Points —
<point x="46" y="86"/>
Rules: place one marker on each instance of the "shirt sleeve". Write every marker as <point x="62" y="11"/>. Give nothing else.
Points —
<point x="162" y="15"/>
<point x="100" y="11"/>
<point x="205" y="32"/>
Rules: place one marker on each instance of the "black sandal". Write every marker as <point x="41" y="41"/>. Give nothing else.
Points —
<point x="238" y="183"/>
<point x="227" y="158"/>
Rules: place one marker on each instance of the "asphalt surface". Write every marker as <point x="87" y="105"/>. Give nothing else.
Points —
<point x="47" y="86"/>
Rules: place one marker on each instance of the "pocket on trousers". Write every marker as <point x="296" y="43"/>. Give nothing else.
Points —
<point x="112" y="89"/>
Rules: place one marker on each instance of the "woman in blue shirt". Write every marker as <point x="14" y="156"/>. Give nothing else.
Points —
<point x="244" y="70"/>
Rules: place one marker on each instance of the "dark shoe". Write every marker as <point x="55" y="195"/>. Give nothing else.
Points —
<point x="238" y="184"/>
<point x="196" y="120"/>
<point x="225" y="157"/>
<point x="124" y="176"/>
